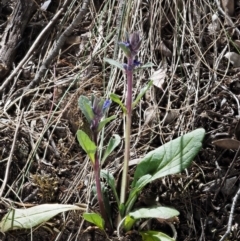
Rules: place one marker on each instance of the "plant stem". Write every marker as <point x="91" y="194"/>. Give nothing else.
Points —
<point x="96" y="168"/>
<point x="129" y="73"/>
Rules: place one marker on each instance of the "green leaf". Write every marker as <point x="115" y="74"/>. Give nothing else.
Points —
<point x="154" y="212"/>
<point x="170" y="158"/>
<point x="142" y="92"/>
<point x="128" y="223"/>
<point x="122" y="209"/>
<point x="135" y="192"/>
<point x="117" y="100"/>
<point x="114" y="63"/>
<point x="31" y="217"/>
<point x="112" y="144"/>
<point x="125" y="49"/>
<point x="105" y="121"/>
<point x="155" y="236"/>
<point x="86" y="107"/>
<point x="140" y="184"/>
<point x="147" y="65"/>
<point x="87" y="145"/>
<point x="111" y="182"/>
<point x="95" y="219"/>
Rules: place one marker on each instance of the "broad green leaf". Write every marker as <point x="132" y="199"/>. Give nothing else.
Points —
<point x="31" y="217"/>
<point x="105" y="121"/>
<point x="114" y="63"/>
<point x="117" y="100"/>
<point x="154" y="212"/>
<point x="144" y="66"/>
<point x="86" y="107"/>
<point x="141" y="93"/>
<point x="111" y="182"/>
<point x="112" y="144"/>
<point x="155" y="236"/>
<point x="95" y="219"/>
<point x="164" y="213"/>
<point x="87" y="145"/>
<point x="170" y="158"/>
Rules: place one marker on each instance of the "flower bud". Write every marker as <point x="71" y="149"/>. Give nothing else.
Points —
<point x="99" y="107"/>
<point x="132" y="44"/>
<point x="135" y="43"/>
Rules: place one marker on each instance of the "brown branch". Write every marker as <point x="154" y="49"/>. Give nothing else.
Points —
<point x="22" y="12"/>
<point x="36" y="42"/>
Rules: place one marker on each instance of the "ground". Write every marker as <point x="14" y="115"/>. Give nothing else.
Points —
<point x="196" y="85"/>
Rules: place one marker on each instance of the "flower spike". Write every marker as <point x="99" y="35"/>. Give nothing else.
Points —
<point x="132" y="44"/>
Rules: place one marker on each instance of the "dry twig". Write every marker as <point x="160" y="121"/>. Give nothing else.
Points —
<point x="11" y="154"/>
<point x="58" y="45"/>
<point x="230" y="220"/>
<point x="36" y="42"/>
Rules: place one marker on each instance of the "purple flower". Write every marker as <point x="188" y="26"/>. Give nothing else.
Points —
<point x="99" y="107"/>
<point x="127" y="44"/>
<point x="136" y="63"/>
<point x="106" y="105"/>
<point x="130" y="68"/>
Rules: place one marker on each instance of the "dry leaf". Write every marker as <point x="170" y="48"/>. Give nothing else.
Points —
<point x="45" y="5"/>
<point x="165" y="51"/>
<point x="170" y="116"/>
<point x="73" y="40"/>
<point x="158" y="78"/>
<point x="228" y="7"/>
<point x="214" y="185"/>
<point x="215" y="25"/>
<point x="227" y="143"/>
<point x="229" y="186"/>
<point x="149" y="115"/>
<point x="234" y="58"/>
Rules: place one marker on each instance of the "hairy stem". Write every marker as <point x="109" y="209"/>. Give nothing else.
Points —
<point x="129" y="74"/>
